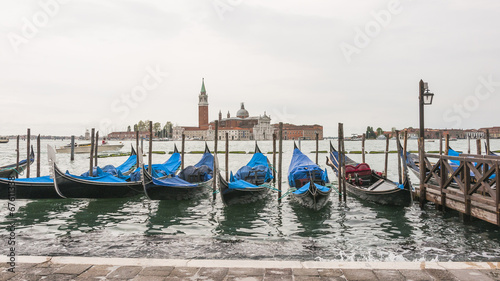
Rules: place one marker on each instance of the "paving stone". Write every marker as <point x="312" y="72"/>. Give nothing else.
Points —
<point x="148" y="278"/>
<point x="441" y="274"/>
<point x="6" y="275"/>
<point x="305" y="272"/>
<point x="389" y="275"/>
<point x="416" y="275"/>
<point x="96" y="271"/>
<point x="243" y="278"/>
<point x="246" y="271"/>
<point x="183" y="272"/>
<point x="163" y="271"/>
<point x="329" y="272"/>
<point x="469" y="275"/>
<point x="306" y="278"/>
<point x="333" y="278"/>
<point x="217" y="274"/>
<point x="492" y="273"/>
<point x="74" y="269"/>
<point x="278" y="271"/>
<point x="359" y="274"/>
<point x="43" y="271"/>
<point x="124" y="272"/>
<point x="278" y="277"/>
<point x="59" y="277"/>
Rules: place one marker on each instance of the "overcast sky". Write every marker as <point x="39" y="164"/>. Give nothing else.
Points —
<point x="70" y="65"/>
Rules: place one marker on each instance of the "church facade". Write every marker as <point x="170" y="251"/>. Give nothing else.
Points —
<point x="241" y="127"/>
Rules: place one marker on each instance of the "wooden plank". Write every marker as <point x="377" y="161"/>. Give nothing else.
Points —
<point x="466" y="177"/>
<point x="497" y="191"/>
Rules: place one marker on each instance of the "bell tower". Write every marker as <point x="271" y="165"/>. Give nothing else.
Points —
<point x="203" y="107"/>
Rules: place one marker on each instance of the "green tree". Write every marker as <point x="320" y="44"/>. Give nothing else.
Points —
<point x="129" y="129"/>
<point x="370" y="134"/>
<point x="156" y="127"/>
<point x="379" y="131"/>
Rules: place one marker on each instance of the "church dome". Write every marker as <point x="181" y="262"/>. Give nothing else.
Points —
<point x="242" y="112"/>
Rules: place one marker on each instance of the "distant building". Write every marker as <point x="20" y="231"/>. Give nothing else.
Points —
<point x="241" y="127"/>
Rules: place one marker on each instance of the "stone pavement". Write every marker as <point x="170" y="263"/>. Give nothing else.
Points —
<point x="88" y="268"/>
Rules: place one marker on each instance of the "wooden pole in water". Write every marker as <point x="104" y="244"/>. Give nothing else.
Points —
<point x="96" y="149"/>
<point x="447" y="143"/>
<point x="487" y="150"/>
<point x="339" y="170"/>
<point x="344" y="188"/>
<point x="72" y="157"/>
<point x="405" y="145"/>
<point x="38" y="156"/>
<point x="399" y="158"/>
<point x="468" y="143"/>
<point x="137" y="148"/>
<point x="478" y="145"/>
<point x="17" y="161"/>
<point x="215" y="172"/>
<point x="150" y="157"/>
<point x="28" y="139"/>
<point x="441" y="143"/>
<point x="280" y="159"/>
<point x="227" y="156"/>
<point x="92" y="134"/>
<point x="386" y="155"/>
<point x="182" y="150"/>
<point x="363" y="148"/>
<point x="274" y="157"/>
<point x="317" y="147"/>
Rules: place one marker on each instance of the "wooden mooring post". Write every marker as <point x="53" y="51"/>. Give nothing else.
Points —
<point x="227" y="156"/>
<point x="341" y="170"/>
<point x="422" y="168"/>
<point x="468" y="144"/>
<point x="96" y="149"/>
<point x="487" y="149"/>
<point x="17" y="157"/>
<point x="72" y="156"/>
<point x="92" y="135"/>
<point x="137" y="148"/>
<point x="182" y="150"/>
<point x="447" y="143"/>
<point x="363" y="149"/>
<point x="215" y="172"/>
<point x="274" y="157"/>
<point x="317" y="147"/>
<point x="38" y="156"/>
<point x="405" y="145"/>
<point x="478" y="145"/>
<point x="150" y="156"/>
<point x="400" y="170"/>
<point x="441" y="143"/>
<point x="280" y="159"/>
<point x="28" y="158"/>
<point x="386" y="155"/>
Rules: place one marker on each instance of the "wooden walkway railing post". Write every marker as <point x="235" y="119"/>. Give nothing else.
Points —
<point x="442" y="182"/>
<point x="421" y="153"/>
<point x="466" y="177"/>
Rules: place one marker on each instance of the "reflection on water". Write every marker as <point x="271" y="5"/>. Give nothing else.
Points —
<point x="203" y="228"/>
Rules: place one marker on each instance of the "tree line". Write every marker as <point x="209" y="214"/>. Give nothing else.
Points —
<point x="164" y="131"/>
<point x="373" y="134"/>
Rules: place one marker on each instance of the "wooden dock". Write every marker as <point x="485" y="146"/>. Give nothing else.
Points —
<point x="469" y="185"/>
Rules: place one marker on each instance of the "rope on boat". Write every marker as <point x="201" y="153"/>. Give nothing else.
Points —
<point x="290" y="190"/>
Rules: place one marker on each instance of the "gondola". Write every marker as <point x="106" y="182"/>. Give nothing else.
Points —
<point x="369" y="185"/>
<point x="169" y="168"/>
<point x="248" y="185"/>
<point x="309" y="180"/>
<point x="9" y="171"/>
<point x="105" y="186"/>
<point x="192" y="182"/>
<point x="43" y="187"/>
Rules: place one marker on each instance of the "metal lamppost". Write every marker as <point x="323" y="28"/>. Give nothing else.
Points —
<point x="425" y="98"/>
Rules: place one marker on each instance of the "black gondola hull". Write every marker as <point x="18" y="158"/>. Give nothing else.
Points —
<point x="158" y="192"/>
<point x="231" y="196"/>
<point x="314" y="200"/>
<point x="69" y="187"/>
<point x="24" y="190"/>
<point x="395" y="197"/>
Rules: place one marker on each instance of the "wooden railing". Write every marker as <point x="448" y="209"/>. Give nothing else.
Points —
<point x="470" y="188"/>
